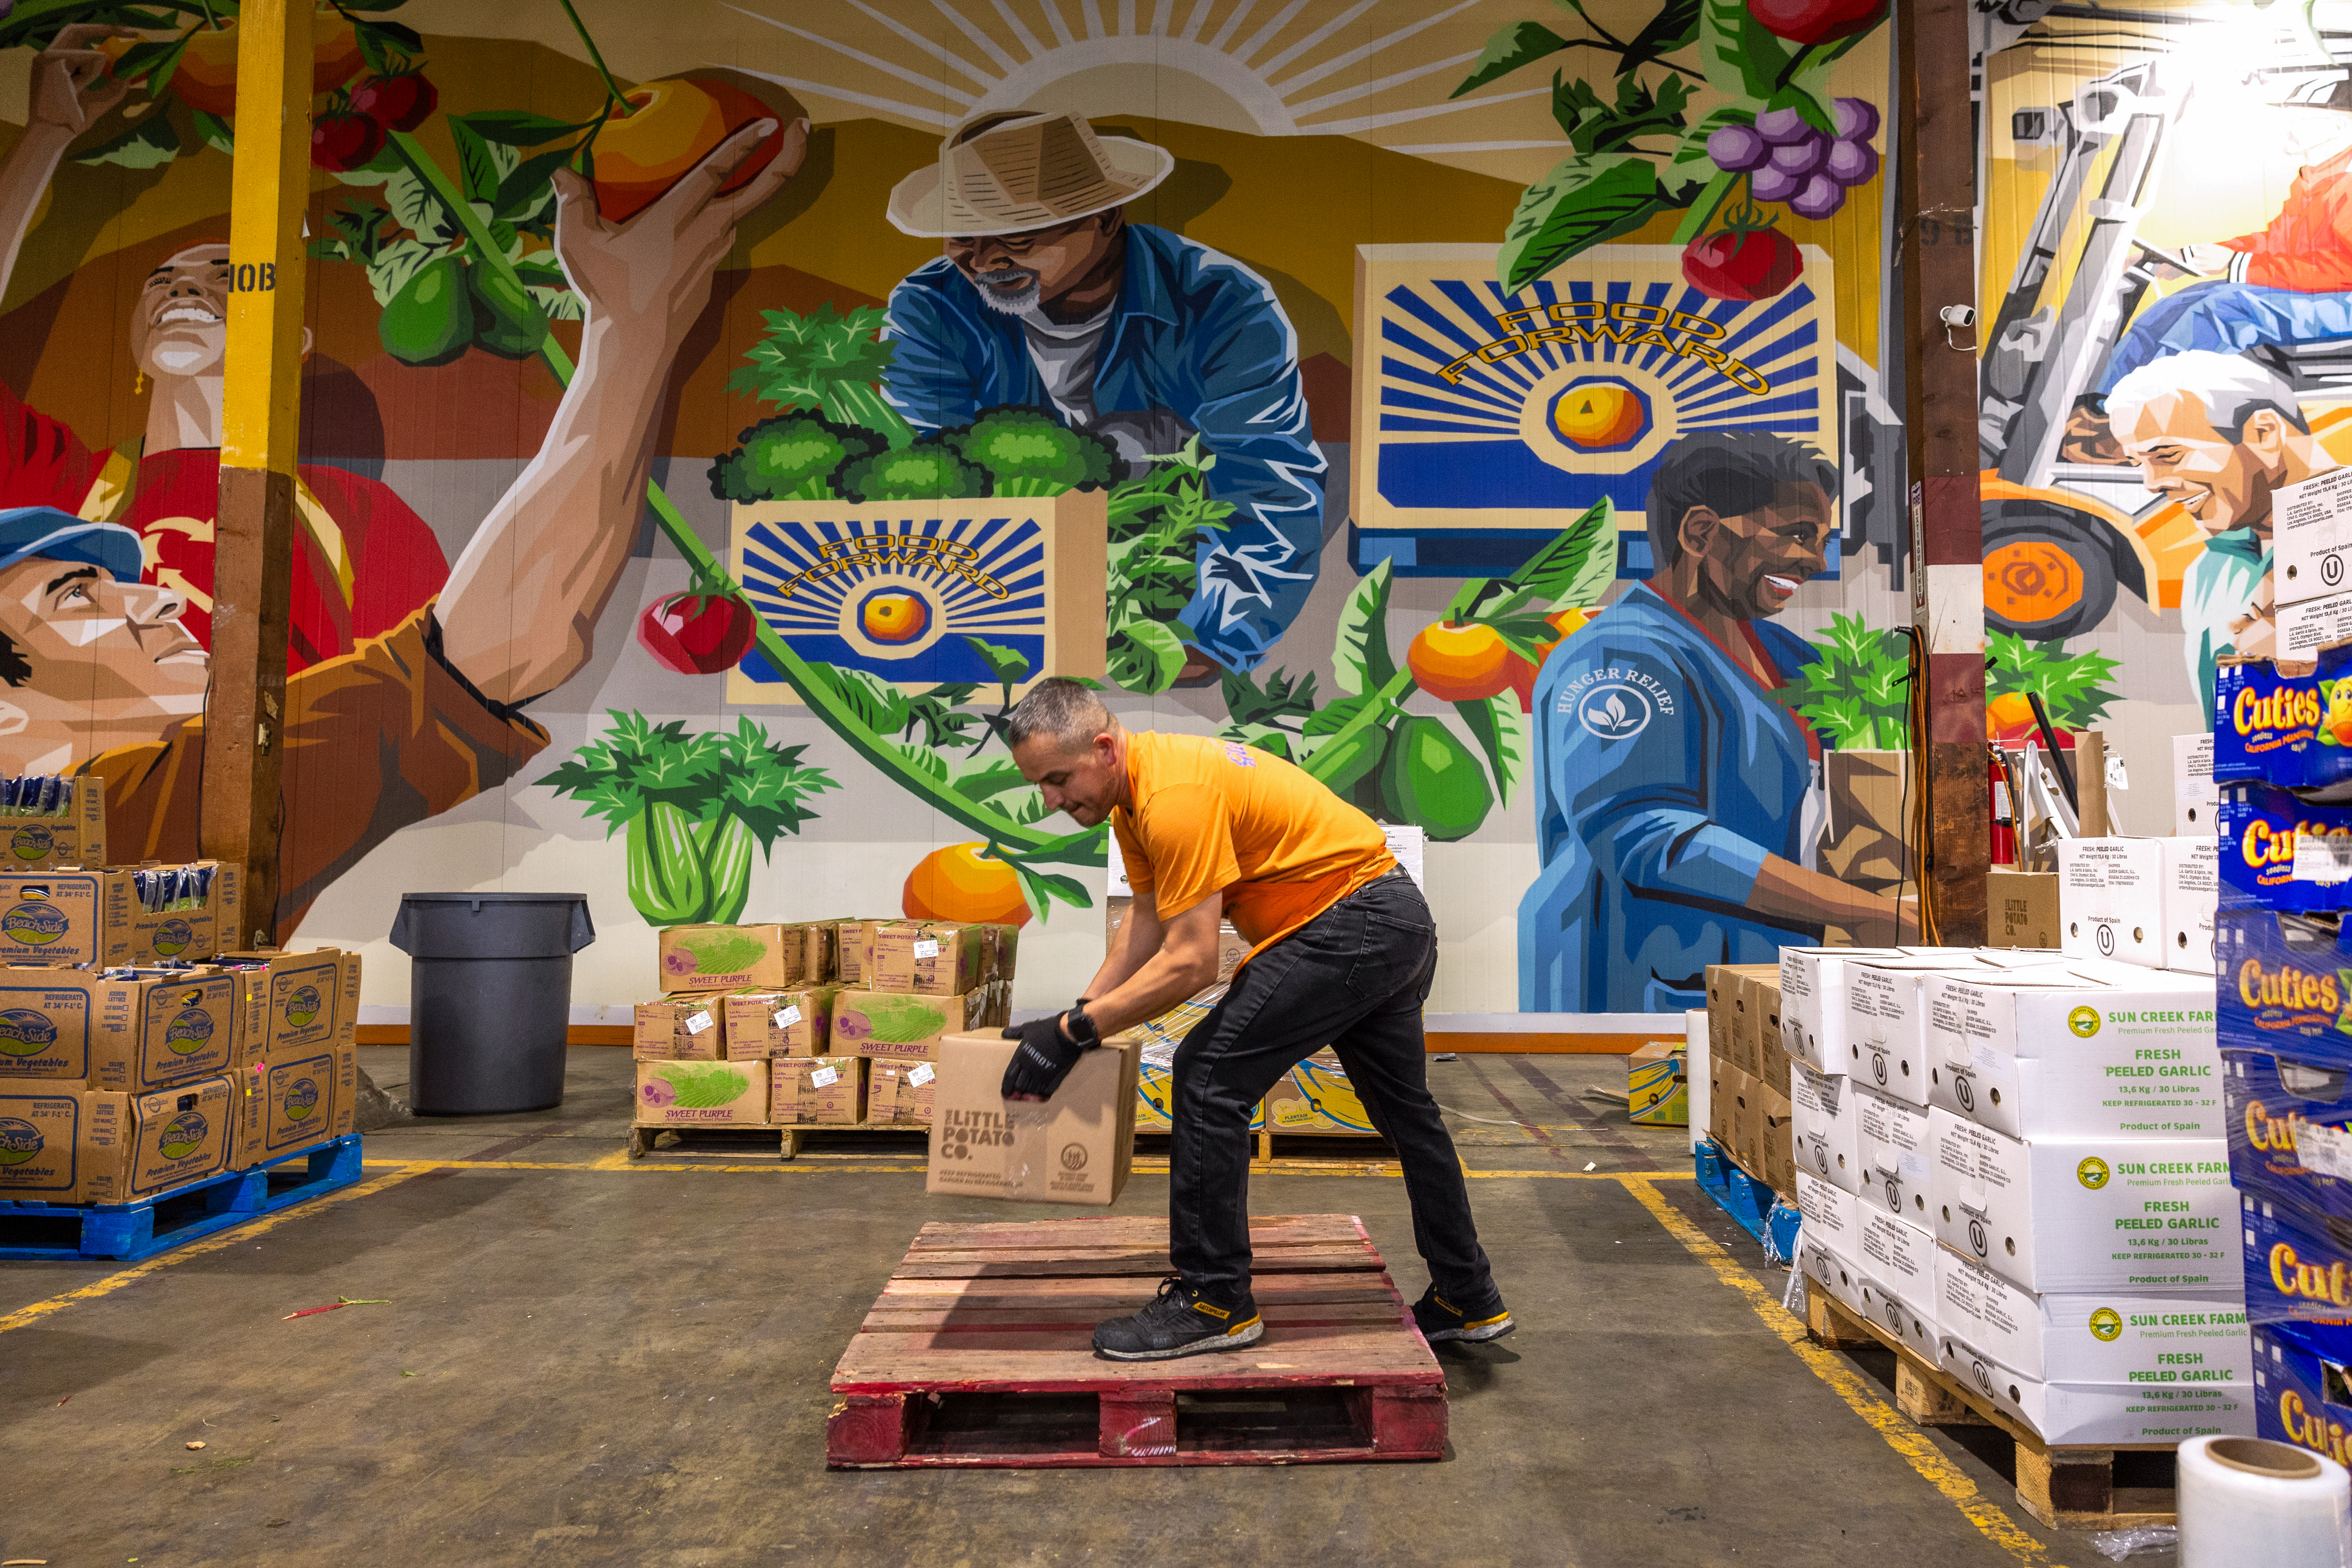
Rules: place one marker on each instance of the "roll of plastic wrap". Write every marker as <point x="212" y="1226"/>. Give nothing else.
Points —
<point x="2248" y="1502"/>
<point x="1694" y="1067"/>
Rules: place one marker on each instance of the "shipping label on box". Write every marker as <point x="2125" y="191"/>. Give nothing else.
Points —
<point x="818" y="1090"/>
<point x="67" y="918"/>
<point x="2193" y="888"/>
<point x="1894" y="1156"/>
<point x="2065" y="1214"/>
<point x="702" y="1094"/>
<point x="904" y="1025"/>
<point x="43" y="1128"/>
<point x="687" y="1027"/>
<point x="47" y="1024"/>
<point x="729" y="958"/>
<point x="2196" y="797"/>
<point x="290" y="1106"/>
<point x="2176" y="1338"/>
<point x="151" y="1030"/>
<point x="166" y="1139"/>
<point x="2023" y="908"/>
<point x="2110" y="898"/>
<point x="2060" y="1053"/>
<point x="2148" y="1413"/>
<point x="927" y="958"/>
<point x="1827" y="1134"/>
<point x="2313" y="544"/>
<point x="900" y="1093"/>
<point x="794" y="1023"/>
<point x="2290" y="1131"/>
<point x="1076" y="1148"/>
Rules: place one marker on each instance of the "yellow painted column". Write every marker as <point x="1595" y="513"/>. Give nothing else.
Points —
<point x="253" y="563"/>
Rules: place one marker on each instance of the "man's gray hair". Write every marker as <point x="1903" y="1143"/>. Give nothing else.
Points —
<point x="1061" y="710"/>
<point x="2230" y="388"/>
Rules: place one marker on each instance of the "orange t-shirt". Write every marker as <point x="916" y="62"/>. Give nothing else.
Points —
<point x="1214" y="815"/>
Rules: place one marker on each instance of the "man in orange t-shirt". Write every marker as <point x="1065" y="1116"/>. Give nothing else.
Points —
<point x="1344" y="952"/>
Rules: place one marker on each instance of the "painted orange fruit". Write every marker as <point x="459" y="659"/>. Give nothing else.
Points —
<point x="664" y="128"/>
<point x="1563" y="624"/>
<point x="205" y="78"/>
<point x="1601" y="414"/>
<point x="895" y="618"/>
<point x="958" y="884"/>
<point x="2009" y="716"/>
<point x="1460" y="664"/>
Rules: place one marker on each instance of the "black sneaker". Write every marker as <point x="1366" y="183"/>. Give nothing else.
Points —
<point x="1441" y="1320"/>
<point x="1179" y="1322"/>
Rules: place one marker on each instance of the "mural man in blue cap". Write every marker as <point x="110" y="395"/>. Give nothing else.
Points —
<point x="1047" y="297"/>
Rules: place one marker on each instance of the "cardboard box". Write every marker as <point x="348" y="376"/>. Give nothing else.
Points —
<point x="1775" y="1137"/>
<point x="687" y="1027"/>
<point x="905" y="1025"/>
<point x="297" y="1102"/>
<point x="188" y="932"/>
<point x="852" y="949"/>
<point x="1721" y="1113"/>
<point x="1755" y="1012"/>
<point x="87" y="1146"/>
<point x="1315" y="1096"/>
<point x="1656" y="1085"/>
<point x="70" y="919"/>
<point x="1898" y="1281"/>
<point x="2281" y="852"/>
<point x="1076" y="1148"/>
<point x="1728" y="1040"/>
<point x="1841" y="1277"/>
<point x="75" y="837"/>
<point x="2307" y="626"/>
<point x="1886" y="1025"/>
<point x="2077" y="1052"/>
<point x="2298" y="1265"/>
<point x="151" y="1030"/>
<point x="2265" y="717"/>
<point x="1743" y="1115"/>
<point x="2193" y="888"/>
<point x="1813" y="998"/>
<point x="2073" y="1215"/>
<point x="820" y="1091"/>
<point x="2290" y="1131"/>
<point x="2281" y="987"/>
<point x="2195" y="797"/>
<point x="2108" y="1337"/>
<point x="2023" y="908"/>
<point x="1831" y="1215"/>
<point x="45" y="1126"/>
<point x="900" y="1093"/>
<point x="821" y="952"/>
<point x="2110" y="899"/>
<point x="1894" y="1137"/>
<point x="729" y="958"/>
<point x="927" y="958"/>
<point x="2149" y="1413"/>
<point x="2303" y="1390"/>
<point x="2312" y="542"/>
<point x="702" y="1094"/>
<point x="292" y="1002"/>
<point x="796" y="1023"/>
<point x="47" y="1023"/>
<point x="1696" y="1069"/>
<point x="1827" y="1134"/>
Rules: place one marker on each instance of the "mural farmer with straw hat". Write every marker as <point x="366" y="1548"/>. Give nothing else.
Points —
<point x="1047" y="296"/>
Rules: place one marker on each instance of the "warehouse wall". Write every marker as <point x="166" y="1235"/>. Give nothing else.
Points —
<point x="1410" y="221"/>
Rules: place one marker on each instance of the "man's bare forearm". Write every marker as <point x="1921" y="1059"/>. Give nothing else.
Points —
<point x="25" y="174"/>
<point x="524" y="597"/>
<point x="1137" y="939"/>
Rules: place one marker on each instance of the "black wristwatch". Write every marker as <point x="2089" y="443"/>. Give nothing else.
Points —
<point x="1080" y="1027"/>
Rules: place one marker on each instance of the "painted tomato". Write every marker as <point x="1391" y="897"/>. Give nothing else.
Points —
<point x="696" y="634"/>
<point x="399" y="102"/>
<point x="958" y="884"/>
<point x="662" y="130"/>
<point x="1817" y="21"/>
<point x="1461" y="664"/>
<point x="344" y="139"/>
<point x="1742" y="263"/>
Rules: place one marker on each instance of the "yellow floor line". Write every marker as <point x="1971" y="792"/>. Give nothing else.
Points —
<point x="1901" y="1436"/>
<point x="235" y="1236"/>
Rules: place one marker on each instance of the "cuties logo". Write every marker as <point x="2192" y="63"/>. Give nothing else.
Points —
<point x="25" y="1033"/>
<point x="2288" y="708"/>
<point x="182" y="1135"/>
<point x="36" y="922"/>
<point x="19" y="1140"/>
<point x="300" y="1099"/>
<point x="2311" y="1429"/>
<point x="175" y="937"/>
<point x="2083" y="1022"/>
<point x="2265" y="849"/>
<point x="2106" y="1325"/>
<point x="2271" y="1134"/>
<point x="2291" y="989"/>
<point x="31" y="841"/>
<point x="2092" y="1172"/>
<point x="302" y="1006"/>
<point x="189" y="1029"/>
<point x="2327" y="1282"/>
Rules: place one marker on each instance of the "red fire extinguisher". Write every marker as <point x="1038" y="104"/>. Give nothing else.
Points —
<point x="2004" y="819"/>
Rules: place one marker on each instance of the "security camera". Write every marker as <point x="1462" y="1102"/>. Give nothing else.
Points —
<point x="1958" y="315"/>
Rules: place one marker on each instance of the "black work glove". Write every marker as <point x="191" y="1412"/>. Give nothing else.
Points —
<point x="1045" y="1056"/>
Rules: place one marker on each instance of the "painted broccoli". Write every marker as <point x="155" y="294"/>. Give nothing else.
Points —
<point x="1027" y="453"/>
<point x="926" y="470"/>
<point x="793" y="457"/>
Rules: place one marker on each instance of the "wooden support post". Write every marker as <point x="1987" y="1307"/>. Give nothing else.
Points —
<point x="1936" y="242"/>
<point x="253" y="563"/>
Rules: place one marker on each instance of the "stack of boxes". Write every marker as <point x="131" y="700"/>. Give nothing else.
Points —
<point x="118" y="1084"/>
<point x="823" y="1023"/>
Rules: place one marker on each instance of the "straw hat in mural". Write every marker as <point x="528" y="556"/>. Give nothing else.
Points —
<point x="1028" y="171"/>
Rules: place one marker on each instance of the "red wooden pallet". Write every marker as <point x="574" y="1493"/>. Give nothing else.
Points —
<point x="980" y="1353"/>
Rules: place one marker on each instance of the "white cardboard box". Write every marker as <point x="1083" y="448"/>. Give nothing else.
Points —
<point x="1695" y="1073"/>
<point x="1837" y="1274"/>
<point x="2192" y="887"/>
<point x="2110" y="900"/>
<point x="1898" y="1281"/>
<point x="2084" y="1051"/>
<point x="1812" y="1002"/>
<point x="2312" y="543"/>
<point x="2107" y="1337"/>
<point x="2073" y="1215"/>
<point x="1898" y="1317"/>
<point x="2109" y="1413"/>
<point x="2195" y="798"/>
<point x="1829" y="1216"/>
<point x="1894" y="1157"/>
<point x="1884" y="1025"/>
<point x="1826" y="1131"/>
<point x="2309" y="625"/>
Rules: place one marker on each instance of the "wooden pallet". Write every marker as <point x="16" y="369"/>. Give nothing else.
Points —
<point x="1319" y="1148"/>
<point x="790" y="1141"/>
<point x="2065" y="1487"/>
<point x="129" y="1232"/>
<point x="980" y="1353"/>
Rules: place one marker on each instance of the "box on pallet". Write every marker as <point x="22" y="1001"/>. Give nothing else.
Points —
<point x="819" y="1091"/>
<point x="295" y="1101"/>
<point x="1725" y="1038"/>
<point x="1232" y="946"/>
<point x="2298" y="1263"/>
<point x="1893" y="1137"/>
<point x="2282" y="987"/>
<point x="1076" y="1148"/>
<point x="2086" y="1214"/>
<point x="2278" y="852"/>
<point x="73" y="835"/>
<point x="1832" y="1227"/>
<point x="2152" y="1339"/>
<point x="687" y="1026"/>
<point x="795" y="1022"/>
<point x="2314" y="538"/>
<point x="905" y="1025"/>
<point x="2192" y="889"/>
<point x="1656" y="1087"/>
<point x="2195" y="795"/>
<point x="79" y="1145"/>
<point x="2021" y="908"/>
<point x="1756" y="1012"/>
<point x="151" y="1029"/>
<point x="2110" y="898"/>
<point x="2267" y="720"/>
<point x="729" y="958"/>
<point x="2290" y="1131"/>
<point x="702" y="1093"/>
<point x="1898" y="1281"/>
<point x="1315" y="1096"/>
<point x="292" y="1000"/>
<point x="1776" y="1134"/>
<point x="67" y="918"/>
<point x="1826" y="1136"/>
<point x="899" y="1093"/>
<point x="2077" y="1051"/>
<point x="929" y="958"/>
<point x="852" y="949"/>
<point x="2302" y="1393"/>
<point x="1740" y="1111"/>
<point x="2088" y="1414"/>
<point x="186" y="927"/>
<point x="1813" y="994"/>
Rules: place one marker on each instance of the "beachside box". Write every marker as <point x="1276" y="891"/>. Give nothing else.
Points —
<point x="296" y="1101"/>
<point x="687" y="1027"/>
<point x="140" y="1144"/>
<point x="186" y="935"/>
<point x="899" y="1093"/>
<point x="292" y="1002"/>
<point x="43" y="1127"/>
<point x="796" y="1023"/>
<point x="47" y="1019"/>
<point x="905" y="1026"/>
<point x="67" y="918"/>
<point x="1656" y="1088"/>
<point x="927" y="958"/>
<point x="76" y="836"/>
<point x="702" y="1094"/>
<point x="151" y="1029"/>
<point x="824" y="1091"/>
<point x="729" y="958"/>
<point x="1076" y="1148"/>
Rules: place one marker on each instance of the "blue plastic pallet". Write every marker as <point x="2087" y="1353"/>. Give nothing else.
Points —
<point x="1747" y="1201"/>
<point x="129" y="1232"/>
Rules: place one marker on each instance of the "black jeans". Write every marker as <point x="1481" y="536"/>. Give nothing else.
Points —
<point x="1353" y="978"/>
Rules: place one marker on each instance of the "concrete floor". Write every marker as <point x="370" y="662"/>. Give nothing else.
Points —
<point x="588" y="1362"/>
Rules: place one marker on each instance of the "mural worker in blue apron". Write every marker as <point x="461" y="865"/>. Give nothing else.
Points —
<point x="1678" y="800"/>
<point x="1047" y="297"/>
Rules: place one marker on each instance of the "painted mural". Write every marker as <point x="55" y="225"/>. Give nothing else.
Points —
<point x="1482" y="403"/>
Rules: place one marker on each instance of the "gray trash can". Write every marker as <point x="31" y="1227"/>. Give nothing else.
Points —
<point x="489" y="998"/>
